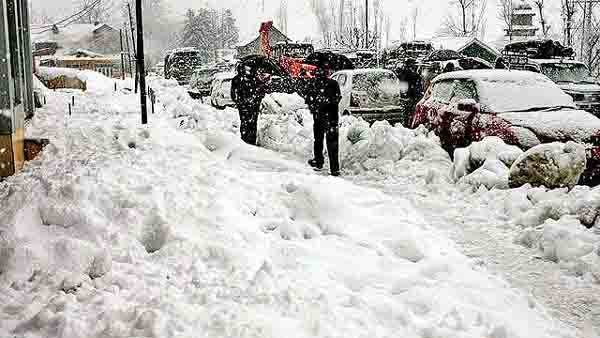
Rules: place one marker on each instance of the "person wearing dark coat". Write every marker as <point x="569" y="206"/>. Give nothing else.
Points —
<point x="248" y="91"/>
<point x="322" y="95"/>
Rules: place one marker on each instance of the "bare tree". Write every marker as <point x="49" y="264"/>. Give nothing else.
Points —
<point x="505" y="13"/>
<point x="323" y="20"/>
<point x="568" y="13"/>
<point x="540" y="6"/>
<point x="282" y="16"/>
<point x="467" y="18"/>
<point x="415" y="18"/>
<point x="100" y="12"/>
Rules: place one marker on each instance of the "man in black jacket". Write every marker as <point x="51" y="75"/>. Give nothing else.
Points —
<point x="247" y="91"/>
<point x="322" y="95"/>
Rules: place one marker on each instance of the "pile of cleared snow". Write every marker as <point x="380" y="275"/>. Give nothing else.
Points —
<point x="379" y="150"/>
<point x="193" y="231"/>
<point x="485" y="163"/>
<point x="189" y="113"/>
<point x="96" y="83"/>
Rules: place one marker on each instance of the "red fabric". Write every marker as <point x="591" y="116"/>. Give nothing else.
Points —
<point x="265" y="29"/>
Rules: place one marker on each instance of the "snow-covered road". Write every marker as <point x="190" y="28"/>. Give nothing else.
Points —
<point x="180" y="230"/>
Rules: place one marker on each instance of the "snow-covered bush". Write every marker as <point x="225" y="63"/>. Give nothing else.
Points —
<point x="552" y="165"/>
<point x="492" y="174"/>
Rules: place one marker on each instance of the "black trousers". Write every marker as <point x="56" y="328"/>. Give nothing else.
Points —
<point x="249" y="124"/>
<point x="323" y="130"/>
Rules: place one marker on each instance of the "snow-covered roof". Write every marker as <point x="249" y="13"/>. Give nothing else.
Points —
<point x="71" y="37"/>
<point x="460" y="43"/>
<point x="364" y="71"/>
<point x="453" y="43"/>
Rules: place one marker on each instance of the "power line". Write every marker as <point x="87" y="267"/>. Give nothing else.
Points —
<point x="74" y="17"/>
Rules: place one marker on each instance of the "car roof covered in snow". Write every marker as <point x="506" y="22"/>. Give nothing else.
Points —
<point x="493" y="75"/>
<point x="363" y="71"/>
<point x="512" y="90"/>
<point x="224" y="76"/>
<point x="553" y="61"/>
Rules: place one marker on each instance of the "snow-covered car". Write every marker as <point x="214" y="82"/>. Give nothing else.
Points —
<point x="201" y="82"/>
<point x="557" y="62"/>
<point x="220" y="94"/>
<point x="180" y="64"/>
<point x="522" y="108"/>
<point x="372" y="94"/>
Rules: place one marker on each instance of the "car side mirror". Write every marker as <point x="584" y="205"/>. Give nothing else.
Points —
<point x="468" y="105"/>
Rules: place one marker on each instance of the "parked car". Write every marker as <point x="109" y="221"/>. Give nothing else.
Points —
<point x="179" y="64"/>
<point x="201" y="82"/>
<point x="557" y="62"/>
<point x="220" y="94"/>
<point x="520" y="107"/>
<point x="373" y="94"/>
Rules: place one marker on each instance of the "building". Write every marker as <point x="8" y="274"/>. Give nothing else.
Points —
<point x="472" y="47"/>
<point x="254" y="46"/>
<point x="82" y="46"/>
<point x="523" y="27"/>
<point x="16" y="83"/>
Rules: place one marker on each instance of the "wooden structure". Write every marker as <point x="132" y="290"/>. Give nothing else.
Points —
<point x="522" y="21"/>
<point x="273" y="36"/>
<point x="16" y="83"/>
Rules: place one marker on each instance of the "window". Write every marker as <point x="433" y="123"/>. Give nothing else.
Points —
<point x="463" y="89"/>
<point x="341" y="79"/>
<point x="442" y="91"/>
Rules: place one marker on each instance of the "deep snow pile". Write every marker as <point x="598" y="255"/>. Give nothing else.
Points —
<point x="168" y="231"/>
<point x="494" y="164"/>
<point x="376" y="151"/>
<point x="96" y="83"/>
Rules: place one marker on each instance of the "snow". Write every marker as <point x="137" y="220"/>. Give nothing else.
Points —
<point x="508" y="91"/>
<point x="486" y="163"/>
<point x="193" y="231"/>
<point x="553" y="165"/>
<point x="570" y="124"/>
<point x="97" y="83"/>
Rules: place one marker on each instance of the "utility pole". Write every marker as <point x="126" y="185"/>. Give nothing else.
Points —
<point x="133" y="44"/>
<point x="140" y="59"/>
<point x="128" y="53"/>
<point x="122" y="56"/>
<point x="366" y="24"/>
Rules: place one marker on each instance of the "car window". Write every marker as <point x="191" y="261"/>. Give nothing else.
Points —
<point x="341" y="79"/>
<point x="464" y="89"/>
<point x="442" y="91"/>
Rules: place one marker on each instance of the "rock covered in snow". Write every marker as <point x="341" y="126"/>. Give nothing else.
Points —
<point x="552" y="165"/>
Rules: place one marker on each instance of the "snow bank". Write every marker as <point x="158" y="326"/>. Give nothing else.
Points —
<point x="379" y="150"/>
<point x="552" y="165"/>
<point x="485" y="163"/>
<point x="193" y="231"/>
<point x="96" y="83"/>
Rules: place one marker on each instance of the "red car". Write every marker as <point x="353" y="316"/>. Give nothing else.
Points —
<point x="522" y="108"/>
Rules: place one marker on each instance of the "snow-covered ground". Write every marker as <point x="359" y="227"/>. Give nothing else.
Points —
<point x="177" y="229"/>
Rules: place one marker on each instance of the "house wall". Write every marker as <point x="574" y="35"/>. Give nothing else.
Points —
<point x="16" y="93"/>
<point x="105" y="40"/>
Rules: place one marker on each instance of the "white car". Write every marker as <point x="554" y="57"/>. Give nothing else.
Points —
<point x="373" y="94"/>
<point x="220" y="93"/>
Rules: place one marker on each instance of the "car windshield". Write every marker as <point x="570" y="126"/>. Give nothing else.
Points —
<point x="532" y="93"/>
<point x="566" y="72"/>
<point x="226" y="86"/>
<point x="187" y="60"/>
<point x="382" y="88"/>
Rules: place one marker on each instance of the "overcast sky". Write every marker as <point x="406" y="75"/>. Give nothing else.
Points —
<point x="301" y="22"/>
